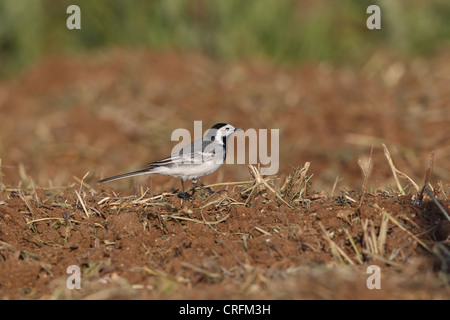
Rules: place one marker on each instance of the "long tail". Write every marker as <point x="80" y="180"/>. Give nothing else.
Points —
<point x="127" y="175"/>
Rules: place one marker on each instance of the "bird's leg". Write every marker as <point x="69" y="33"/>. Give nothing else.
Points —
<point x="183" y="195"/>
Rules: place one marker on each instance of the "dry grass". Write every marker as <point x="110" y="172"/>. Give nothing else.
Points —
<point x="365" y="232"/>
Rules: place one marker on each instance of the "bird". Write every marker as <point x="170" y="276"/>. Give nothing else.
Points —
<point x="201" y="158"/>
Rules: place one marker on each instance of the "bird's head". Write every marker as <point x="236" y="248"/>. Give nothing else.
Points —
<point x="221" y="132"/>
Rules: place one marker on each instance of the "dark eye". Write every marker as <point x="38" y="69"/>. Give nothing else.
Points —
<point x="227" y="129"/>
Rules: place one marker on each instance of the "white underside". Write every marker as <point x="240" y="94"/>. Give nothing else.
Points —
<point x="188" y="172"/>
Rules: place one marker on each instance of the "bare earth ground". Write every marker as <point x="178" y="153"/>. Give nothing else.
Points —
<point x="301" y="234"/>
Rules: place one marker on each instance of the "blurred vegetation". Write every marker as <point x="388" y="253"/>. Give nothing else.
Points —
<point x="288" y="31"/>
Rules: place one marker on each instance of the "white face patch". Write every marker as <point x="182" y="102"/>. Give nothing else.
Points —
<point x="224" y="132"/>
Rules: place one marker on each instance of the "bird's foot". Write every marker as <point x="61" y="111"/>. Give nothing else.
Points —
<point x="208" y="189"/>
<point x="184" y="195"/>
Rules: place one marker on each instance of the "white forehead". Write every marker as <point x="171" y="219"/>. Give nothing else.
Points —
<point x="225" y="129"/>
<point x="220" y="131"/>
<point x="228" y="126"/>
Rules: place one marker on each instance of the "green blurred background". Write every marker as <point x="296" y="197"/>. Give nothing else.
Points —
<point x="286" y="31"/>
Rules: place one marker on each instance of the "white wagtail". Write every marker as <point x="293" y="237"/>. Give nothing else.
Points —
<point x="200" y="158"/>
